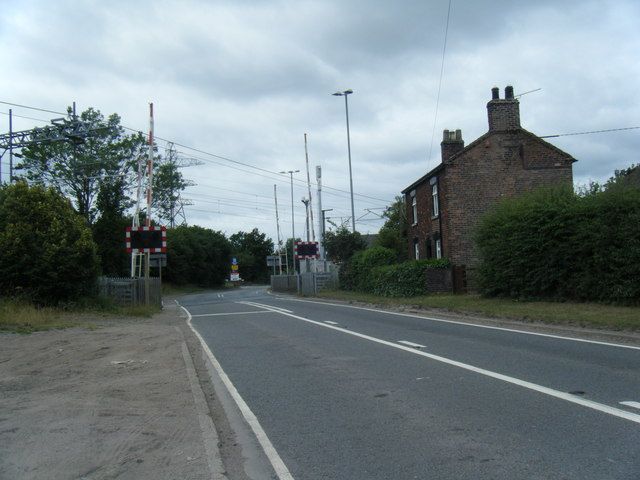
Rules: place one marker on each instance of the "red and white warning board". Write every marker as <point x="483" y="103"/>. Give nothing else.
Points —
<point x="306" y="250"/>
<point x="146" y="239"/>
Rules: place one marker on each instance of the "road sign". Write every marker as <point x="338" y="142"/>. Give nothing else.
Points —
<point x="235" y="277"/>
<point x="158" y="260"/>
<point x="146" y="239"/>
<point x="273" y="260"/>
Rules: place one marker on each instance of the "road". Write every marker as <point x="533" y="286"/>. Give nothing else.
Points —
<point x="351" y="393"/>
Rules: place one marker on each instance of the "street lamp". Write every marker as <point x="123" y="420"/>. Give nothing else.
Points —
<point x="293" y="226"/>
<point x="345" y="94"/>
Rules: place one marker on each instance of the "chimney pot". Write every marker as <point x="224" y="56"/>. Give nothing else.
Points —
<point x="495" y="93"/>
<point x="508" y="92"/>
<point x="458" y="134"/>
<point x="445" y="135"/>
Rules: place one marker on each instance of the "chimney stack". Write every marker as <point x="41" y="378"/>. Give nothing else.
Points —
<point x="452" y="143"/>
<point x="504" y="115"/>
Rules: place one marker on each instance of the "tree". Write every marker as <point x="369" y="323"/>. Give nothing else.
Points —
<point x="342" y="244"/>
<point x="48" y="255"/>
<point x="109" y="228"/>
<point x="197" y="256"/>
<point x="393" y="233"/>
<point x="251" y="249"/>
<point x="168" y="182"/>
<point x="76" y="168"/>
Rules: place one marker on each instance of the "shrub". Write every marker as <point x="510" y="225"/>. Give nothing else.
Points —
<point x="557" y="245"/>
<point x="47" y="253"/>
<point x="354" y="272"/>
<point x="407" y="279"/>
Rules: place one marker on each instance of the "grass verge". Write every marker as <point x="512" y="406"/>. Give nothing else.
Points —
<point x="563" y="313"/>
<point x="23" y="317"/>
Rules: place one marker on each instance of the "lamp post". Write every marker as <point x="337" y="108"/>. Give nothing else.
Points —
<point x="345" y="94"/>
<point x="293" y="226"/>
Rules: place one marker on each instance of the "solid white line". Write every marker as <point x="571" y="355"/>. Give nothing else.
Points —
<point x="490" y="327"/>
<point x="276" y="462"/>
<point x="223" y="314"/>
<point x="260" y="305"/>
<point x="631" y="404"/>
<point x="411" y="344"/>
<point x="330" y="322"/>
<point x="488" y="373"/>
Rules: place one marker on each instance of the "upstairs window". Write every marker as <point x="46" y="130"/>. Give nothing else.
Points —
<point x="414" y="208"/>
<point x="434" y="198"/>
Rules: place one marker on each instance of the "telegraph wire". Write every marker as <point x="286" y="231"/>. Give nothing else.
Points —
<point x="590" y="132"/>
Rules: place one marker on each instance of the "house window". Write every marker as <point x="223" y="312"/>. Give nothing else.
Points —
<point x="428" y="248"/>
<point x="414" y="207"/>
<point x="438" y="248"/>
<point x="434" y="197"/>
<point x="416" y="249"/>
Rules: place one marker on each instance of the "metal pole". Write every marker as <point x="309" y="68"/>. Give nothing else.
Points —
<point x="293" y="228"/>
<point x="275" y="196"/>
<point x="10" y="146"/>
<point x="353" y="215"/>
<point x="149" y="200"/>
<point x="320" y="220"/>
<point x="310" y="211"/>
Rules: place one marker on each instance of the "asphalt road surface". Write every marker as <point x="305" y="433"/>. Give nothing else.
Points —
<point x="351" y="393"/>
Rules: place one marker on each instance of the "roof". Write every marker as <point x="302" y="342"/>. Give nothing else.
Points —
<point x="477" y="141"/>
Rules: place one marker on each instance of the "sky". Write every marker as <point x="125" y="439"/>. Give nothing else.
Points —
<point x="242" y="82"/>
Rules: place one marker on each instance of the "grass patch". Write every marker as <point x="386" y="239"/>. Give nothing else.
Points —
<point x="23" y="317"/>
<point x="564" y="313"/>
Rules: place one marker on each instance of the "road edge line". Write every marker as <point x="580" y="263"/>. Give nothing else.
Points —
<point x="272" y="455"/>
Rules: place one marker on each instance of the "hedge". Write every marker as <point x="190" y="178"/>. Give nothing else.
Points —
<point x="555" y="244"/>
<point x="354" y="272"/>
<point x="407" y="279"/>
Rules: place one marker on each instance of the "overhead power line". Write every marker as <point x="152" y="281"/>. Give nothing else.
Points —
<point x="590" y="132"/>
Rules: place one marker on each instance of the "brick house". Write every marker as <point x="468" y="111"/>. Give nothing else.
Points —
<point x="444" y="205"/>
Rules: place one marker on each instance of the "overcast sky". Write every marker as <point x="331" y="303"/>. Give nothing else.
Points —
<point x="246" y="79"/>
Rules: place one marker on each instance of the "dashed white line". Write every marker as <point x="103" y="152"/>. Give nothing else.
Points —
<point x="268" y="307"/>
<point x="411" y="344"/>
<point x="616" y="412"/>
<point x="330" y="322"/>
<point x="631" y="404"/>
<point x="467" y="324"/>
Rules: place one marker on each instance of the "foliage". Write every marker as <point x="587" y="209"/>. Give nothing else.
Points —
<point x="76" y="168"/>
<point x="558" y="245"/>
<point x="342" y="244"/>
<point x="108" y="230"/>
<point x="251" y="249"/>
<point x="168" y="182"/>
<point x="354" y="273"/>
<point x="197" y="256"/>
<point x="289" y="260"/>
<point x="393" y="233"/>
<point x="48" y="255"/>
<point x="406" y="279"/>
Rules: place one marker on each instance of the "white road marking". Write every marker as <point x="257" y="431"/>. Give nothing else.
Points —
<point x="330" y="322"/>
<point x="260" y="305"/>
<point x="276" y="462"/>
<point x="616" y="412"/>
<point x="490" y="327"/>
<point x="411" y="344"/>
<point x="631" y="404"/>
<point x="223" y="314"/>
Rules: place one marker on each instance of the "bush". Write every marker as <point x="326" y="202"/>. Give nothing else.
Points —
<point x="407" y="279"/>
<point x="47" y="253"/>
<point x="557" y="245"/>
<point x="354" y="272"/>
<point x="197" y="256"/>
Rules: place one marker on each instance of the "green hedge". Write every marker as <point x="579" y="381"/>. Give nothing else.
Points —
<point x="559" y="245"/>
<point x="354" y="272"/>
<point x="407" y="279"/>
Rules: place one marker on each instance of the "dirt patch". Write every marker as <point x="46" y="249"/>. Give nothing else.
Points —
<point x="114" y="402"/>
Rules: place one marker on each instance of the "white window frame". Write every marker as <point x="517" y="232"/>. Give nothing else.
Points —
<point x="414" y="207"/>
<point x="434" y="199"/>
<point x="438" y="248"/>
<point x="416" y="249"/>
